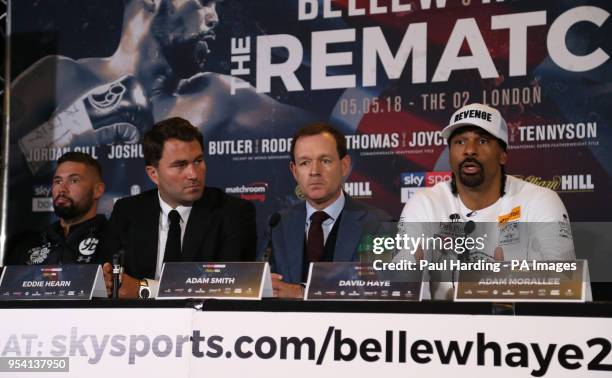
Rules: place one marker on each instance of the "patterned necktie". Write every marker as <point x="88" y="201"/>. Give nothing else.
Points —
<point x="173" y="243"/>
<point x="315" y="244"/>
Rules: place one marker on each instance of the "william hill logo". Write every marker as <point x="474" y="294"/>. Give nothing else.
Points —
<point x="252" y="192"/>
<point x="358" y="189"/>
<point x="563" y="183"/>
<point x="577" y="183"/>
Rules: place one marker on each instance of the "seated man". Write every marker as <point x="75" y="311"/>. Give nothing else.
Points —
<point x="73" y="239"/>
<point x="329" y="225"/>
<point x="525" y="221"/>
<point x="181" y="220"/>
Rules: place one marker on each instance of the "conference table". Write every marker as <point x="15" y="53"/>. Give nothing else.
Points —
<point x="292" y="338"/>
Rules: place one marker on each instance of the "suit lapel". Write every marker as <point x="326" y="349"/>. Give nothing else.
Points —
<point x="349" y="232"/>
<point x="199" y="218"/>
<point x="150" y="222"/>
<point x="295" y="243"/>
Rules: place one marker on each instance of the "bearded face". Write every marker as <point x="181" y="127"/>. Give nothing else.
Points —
<point x="471" y="172"/>
<point x="476" y="157"/>
<point x="68" y="209"/>
<point x="185" y="29"/>
<point x="73" y="190"/>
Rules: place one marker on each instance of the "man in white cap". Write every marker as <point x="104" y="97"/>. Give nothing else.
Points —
<point x="518" y="220"/>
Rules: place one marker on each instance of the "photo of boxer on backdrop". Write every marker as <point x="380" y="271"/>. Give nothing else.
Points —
<point x="157" y="71"/>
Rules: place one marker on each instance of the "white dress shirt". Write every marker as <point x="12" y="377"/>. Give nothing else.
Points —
<point x="333" y="211"/>
<point x="164" y="226"/>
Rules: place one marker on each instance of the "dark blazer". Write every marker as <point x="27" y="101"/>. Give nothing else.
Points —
<point x="288" y="236"/>
<point x="220" y="228"/>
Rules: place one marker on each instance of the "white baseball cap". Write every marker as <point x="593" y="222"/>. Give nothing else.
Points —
<point x="483" y="116"/>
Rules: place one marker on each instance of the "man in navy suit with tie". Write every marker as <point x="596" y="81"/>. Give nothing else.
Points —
<point x="329" y="225"/>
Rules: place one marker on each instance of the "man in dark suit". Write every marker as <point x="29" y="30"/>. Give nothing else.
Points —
<point x="329" y="225"/>
<point x="179" y="221"/>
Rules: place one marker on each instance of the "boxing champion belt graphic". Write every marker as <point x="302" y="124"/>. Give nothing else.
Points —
<point x="116" y="112"/>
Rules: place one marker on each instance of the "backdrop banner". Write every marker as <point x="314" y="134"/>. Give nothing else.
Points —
<point x="94" y="75"/>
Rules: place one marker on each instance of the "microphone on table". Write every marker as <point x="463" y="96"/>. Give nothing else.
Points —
<point x="274" y="220"/>
<point x="468" y="228"/>
<point x="117" y="260"/>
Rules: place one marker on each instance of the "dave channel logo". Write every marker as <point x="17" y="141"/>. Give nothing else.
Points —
<point x="414" y="181"/>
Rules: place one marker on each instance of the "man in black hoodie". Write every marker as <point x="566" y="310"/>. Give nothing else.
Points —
<point x="76" y="188"/>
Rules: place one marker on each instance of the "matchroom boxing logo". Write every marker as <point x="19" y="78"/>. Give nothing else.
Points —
<point x="255" y="191"/>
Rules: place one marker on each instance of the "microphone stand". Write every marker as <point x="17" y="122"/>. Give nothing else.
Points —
<point x="117" y="257"/>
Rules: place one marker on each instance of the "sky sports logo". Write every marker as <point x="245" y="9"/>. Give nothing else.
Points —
<point x="391" y="347"/>
<point x="424" y="179"/>
<point x="42" y="204"/>
<point x="413" y="181"/>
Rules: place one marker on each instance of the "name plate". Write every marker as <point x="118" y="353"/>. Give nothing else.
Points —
<point x="526" y="281"/>
<point x="357" y="281"/>
<point x="231" y="280"/>
<point x="80" y="281"/>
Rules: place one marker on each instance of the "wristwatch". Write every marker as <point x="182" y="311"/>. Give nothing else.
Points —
<point x="144" y="292"/>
